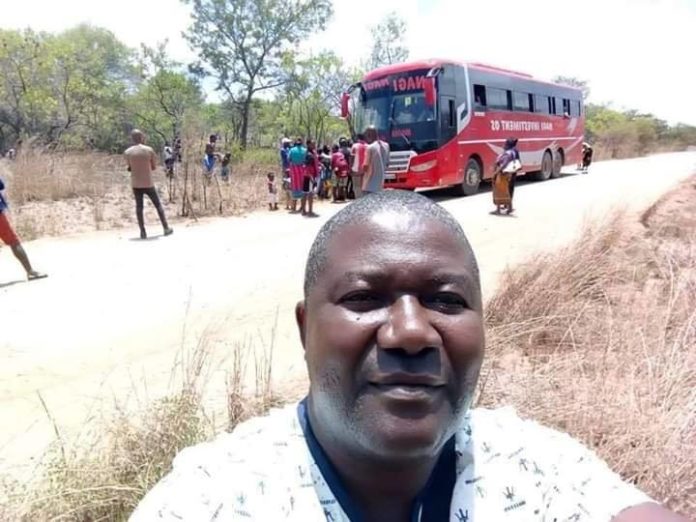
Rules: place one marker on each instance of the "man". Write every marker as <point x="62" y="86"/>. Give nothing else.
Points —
<point x="284" y="155"/>
<point x="392" y="328"/>
<point x="9" y="237"/>
<point x="376" y="163"/>
<point x="358" y="152"/>
<point x="168" y="156"/>
<point x="142" y="161"/>
<point x="210" y="155"/>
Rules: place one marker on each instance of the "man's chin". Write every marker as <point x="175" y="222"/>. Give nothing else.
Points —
<point x="399" y="438"/>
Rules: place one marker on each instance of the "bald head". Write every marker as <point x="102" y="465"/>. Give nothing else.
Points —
<point x="137" y="136"/>
<point x="402" y="203"/>
<point x="371" y="134"/>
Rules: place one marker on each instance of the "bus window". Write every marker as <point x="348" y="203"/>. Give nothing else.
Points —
<point x="566" y="106"/>
<point x="576" y="108"/>
<point x="452" y="114"/>
<point x="531" y="102"/>
<point x="520" y="102"/>
<point x="497" y="99"/>
<point x="542" y="104"/>
<point x="479" y="98"/>
<point x="558" y="106"/>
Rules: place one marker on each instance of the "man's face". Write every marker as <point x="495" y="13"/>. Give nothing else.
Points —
<point x="393" y="335"/>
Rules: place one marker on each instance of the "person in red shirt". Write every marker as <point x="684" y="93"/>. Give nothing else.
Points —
<point x="312" y="170"/>
<point x="10" y="238"/>
<point x="341" y="172"/>
<point x="358" y="152"/>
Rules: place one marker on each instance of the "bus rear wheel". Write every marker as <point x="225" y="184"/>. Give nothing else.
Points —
<point x="546" y="167"/>
<point x="558" y="162"/>
<point x="473" y="174"/>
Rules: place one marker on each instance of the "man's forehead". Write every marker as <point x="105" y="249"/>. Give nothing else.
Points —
<point x="397" y="234"/>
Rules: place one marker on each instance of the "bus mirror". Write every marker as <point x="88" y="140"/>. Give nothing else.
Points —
<point x="429" y="88"/>
<point x="344" y="105"/>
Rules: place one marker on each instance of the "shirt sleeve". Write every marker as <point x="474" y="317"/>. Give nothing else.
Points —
<point x="580" y="485"/>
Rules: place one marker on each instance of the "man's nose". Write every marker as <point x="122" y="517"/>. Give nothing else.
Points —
<point x="408" y="327"/>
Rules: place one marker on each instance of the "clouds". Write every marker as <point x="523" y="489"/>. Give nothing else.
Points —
<point x="636" y="53"/>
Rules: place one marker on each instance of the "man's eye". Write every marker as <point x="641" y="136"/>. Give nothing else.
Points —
<point x="362" y="300"/>
<point x="447" y="302"/>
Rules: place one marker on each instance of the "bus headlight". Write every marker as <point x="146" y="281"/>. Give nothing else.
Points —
<point x="424" y="166"/>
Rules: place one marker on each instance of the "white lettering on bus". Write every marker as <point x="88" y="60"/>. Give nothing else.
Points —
<point x="521" y="126"/>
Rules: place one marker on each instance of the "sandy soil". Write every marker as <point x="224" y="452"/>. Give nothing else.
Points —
<point x="110" y="322"/>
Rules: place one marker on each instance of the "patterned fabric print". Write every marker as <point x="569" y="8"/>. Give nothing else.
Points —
<point x="508" y="470"/>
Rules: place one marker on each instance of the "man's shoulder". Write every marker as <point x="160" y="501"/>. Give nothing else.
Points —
<point x="237" y="471"/>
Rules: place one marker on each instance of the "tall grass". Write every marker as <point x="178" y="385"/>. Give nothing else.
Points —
<point x="598" y="340"/>
<point x="54" y="193"/>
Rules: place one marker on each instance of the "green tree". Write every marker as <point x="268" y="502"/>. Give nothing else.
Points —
<point x="387" y="46"/>
<point x="24" y="77"/>
<point x="241" y="42"/>
<point x="91" y="74"/>
<point x="166" y="94"/>
<point x="313" y="94"/>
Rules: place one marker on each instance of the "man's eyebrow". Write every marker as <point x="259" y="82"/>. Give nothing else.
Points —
<point x="462" y="279"/>
<point x="362" y="275"/>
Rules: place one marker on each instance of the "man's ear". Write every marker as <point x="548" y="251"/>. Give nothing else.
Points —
<point x="301" y="318"/>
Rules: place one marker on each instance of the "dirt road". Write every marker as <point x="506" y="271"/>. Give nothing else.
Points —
<point x="116" y="311"/>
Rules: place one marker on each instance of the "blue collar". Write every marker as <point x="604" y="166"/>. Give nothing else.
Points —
<point x="431" y="505"/>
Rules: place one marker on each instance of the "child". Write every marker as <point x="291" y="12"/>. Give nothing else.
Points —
<point x="225" y="171"/>
<point x="272" y="192"/>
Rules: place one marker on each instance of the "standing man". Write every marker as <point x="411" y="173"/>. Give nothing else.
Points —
<point x="141" y="161"/>
<point x="376" y="163"/>
<point x="357" y="153"/>
<point x="9" y="237"/>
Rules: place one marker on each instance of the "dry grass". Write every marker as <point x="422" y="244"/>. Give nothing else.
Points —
<point x="105" y="475"/>
<point x="598" y="340"/>
<point x="55" y="194"/>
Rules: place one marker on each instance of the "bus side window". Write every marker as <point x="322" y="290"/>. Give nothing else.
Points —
<point x="479" y="98"/>
<point x="452" y="114"/>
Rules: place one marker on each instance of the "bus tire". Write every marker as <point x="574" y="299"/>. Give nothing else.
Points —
<point x="546" y="167"/>
<point x="558" y="162"/>
<point x="473" y="173"/>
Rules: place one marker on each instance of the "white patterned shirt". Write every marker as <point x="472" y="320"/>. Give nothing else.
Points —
<point x="507" y="469"/>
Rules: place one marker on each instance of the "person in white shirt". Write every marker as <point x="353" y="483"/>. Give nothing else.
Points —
<point x="387" y="432"/>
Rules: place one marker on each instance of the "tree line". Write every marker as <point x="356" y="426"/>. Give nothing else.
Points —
<point x="84" y="89"/>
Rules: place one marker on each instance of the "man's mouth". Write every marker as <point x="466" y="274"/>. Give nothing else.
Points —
<point x="408" y="386"/>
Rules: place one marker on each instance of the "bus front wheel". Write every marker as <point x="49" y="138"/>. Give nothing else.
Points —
<point x="472" y="178"/>
<point x="546" y="167"/>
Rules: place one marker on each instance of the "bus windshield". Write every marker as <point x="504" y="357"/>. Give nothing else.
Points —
<point x="404" y="120"/>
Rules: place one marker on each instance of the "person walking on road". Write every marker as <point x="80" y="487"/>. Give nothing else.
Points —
<point x="142" y="161"/>
<point x="10" y="238"/>
<point x="507" y="167"/>
<point x="376" y="163"/>
<point x="587" y="153"/>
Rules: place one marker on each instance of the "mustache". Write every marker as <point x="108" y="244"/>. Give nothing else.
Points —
<point x="427" y="361"/>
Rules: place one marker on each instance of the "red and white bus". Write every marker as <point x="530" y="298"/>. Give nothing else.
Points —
<point x="446" y="122"/>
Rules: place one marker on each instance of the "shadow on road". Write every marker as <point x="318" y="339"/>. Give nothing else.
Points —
<point x="450" y="193"/>
<point x="12" y="283"/>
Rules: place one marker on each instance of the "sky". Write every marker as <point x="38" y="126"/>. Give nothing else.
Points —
<point x="634" y="53"/>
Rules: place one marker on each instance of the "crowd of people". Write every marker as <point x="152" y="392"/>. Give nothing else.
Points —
<point x="345" y="171"/>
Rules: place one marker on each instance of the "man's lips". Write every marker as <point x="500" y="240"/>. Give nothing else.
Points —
<point x="407" y="381"/>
